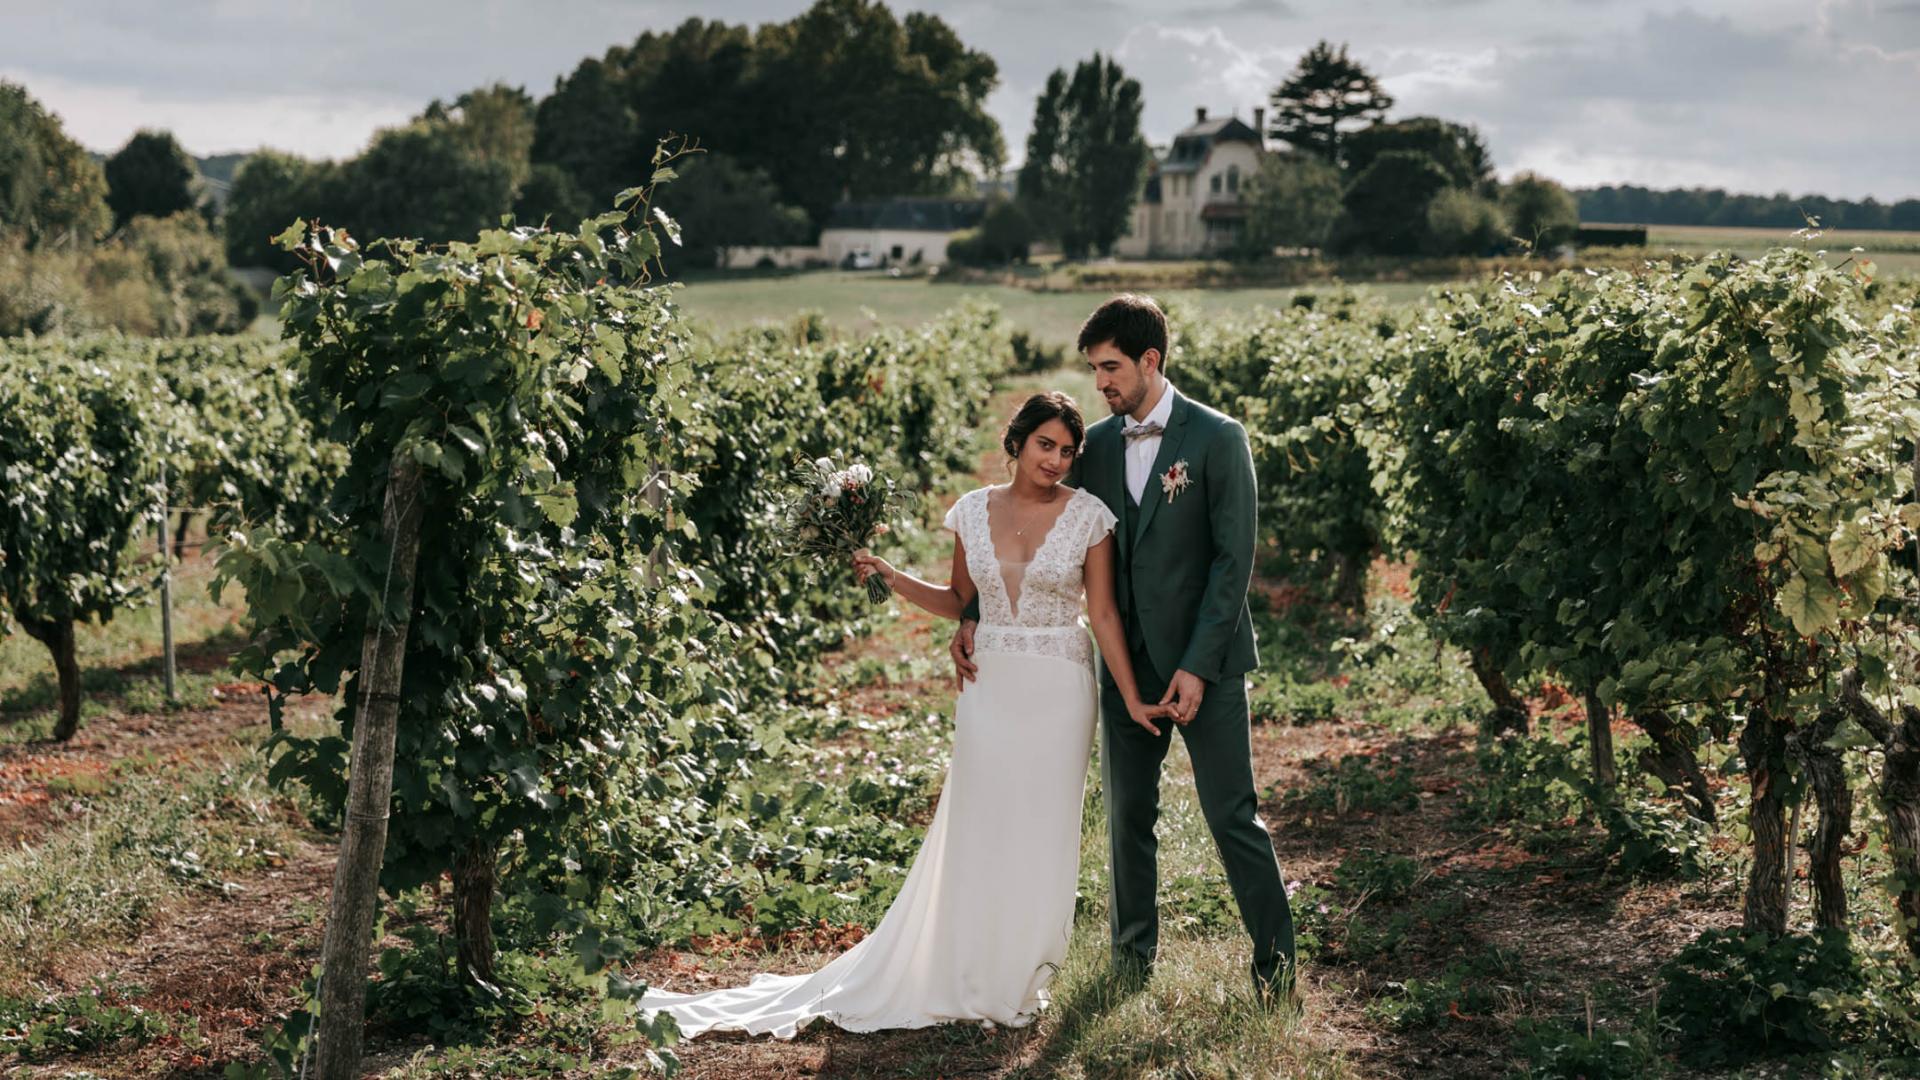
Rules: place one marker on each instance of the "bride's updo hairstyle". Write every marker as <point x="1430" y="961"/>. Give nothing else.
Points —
<point x="1040" y="408"/>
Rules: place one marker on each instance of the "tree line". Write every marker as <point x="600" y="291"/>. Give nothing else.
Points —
<point x="130" y="243"/>
<point x="845" y="101"/>
<point x="1628" y="203"/>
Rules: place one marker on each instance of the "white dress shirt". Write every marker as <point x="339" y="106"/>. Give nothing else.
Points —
<point x="1142" y="451"/>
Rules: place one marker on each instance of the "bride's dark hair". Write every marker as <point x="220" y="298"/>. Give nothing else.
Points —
<point x="1038" y="409"/>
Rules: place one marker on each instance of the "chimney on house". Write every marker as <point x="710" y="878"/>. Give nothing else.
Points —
<point x="1260" y="124"/>
<point x="1200" y="114"/>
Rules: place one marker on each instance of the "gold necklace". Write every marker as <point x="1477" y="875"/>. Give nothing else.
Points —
<point x="1022" y="530"/>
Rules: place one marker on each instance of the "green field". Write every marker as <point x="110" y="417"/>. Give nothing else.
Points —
<point x="859" y="301"/>
<point x="1892" y="253"/>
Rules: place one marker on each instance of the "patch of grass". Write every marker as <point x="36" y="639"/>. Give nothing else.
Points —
<point x="149" y="694"/>
<point x="1434" y="923"/>
<point x="108" y="651"/>
<point x="1299" y="704"/>
<point x="1196" y="1016"/>
<point x="1359" y="782"/>
<point x="1379" y="874"/>
<point x="1556" y="1051"/>
<point x="146" y="838"/>
<point x="857" y="302"/>
<point x="1468" y="990"/>
<point x="37" y="1026"/>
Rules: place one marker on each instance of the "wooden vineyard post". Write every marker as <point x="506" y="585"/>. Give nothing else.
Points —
<point x="356" y="877"/>
<point x="166" y="590"/>
<point x="656" y="497"/>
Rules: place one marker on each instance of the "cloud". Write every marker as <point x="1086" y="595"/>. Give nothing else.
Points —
<point x="1684" y="98"/>
<point x="1271" y="8"/>
<point x="102" y="117"/>
<point x="1182" y="68"/>
<point x="1750" y="94"/>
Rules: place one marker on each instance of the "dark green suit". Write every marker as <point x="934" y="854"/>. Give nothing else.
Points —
<point x="1182" y="567"/>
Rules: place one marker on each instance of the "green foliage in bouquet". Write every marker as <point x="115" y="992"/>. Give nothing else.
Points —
<point x="832" y="513"/>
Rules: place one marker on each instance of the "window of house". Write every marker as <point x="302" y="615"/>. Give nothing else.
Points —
<point x="1216" y="183"/>
<point x="1233" y="179"/>
<point x="898" y="251"/>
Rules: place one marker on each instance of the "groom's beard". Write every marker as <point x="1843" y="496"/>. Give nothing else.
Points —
<point x="1121" y="406"/>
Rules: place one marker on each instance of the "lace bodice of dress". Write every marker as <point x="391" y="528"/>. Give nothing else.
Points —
<point x="1040" y="614"/>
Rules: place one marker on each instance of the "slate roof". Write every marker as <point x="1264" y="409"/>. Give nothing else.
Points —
<point x="1191" y="146"/>
<point x="914" y="214"/>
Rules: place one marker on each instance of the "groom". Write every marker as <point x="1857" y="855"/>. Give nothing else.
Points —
<point x="1179" y="477"/>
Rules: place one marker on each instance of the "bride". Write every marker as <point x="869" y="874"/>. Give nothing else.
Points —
<point x="983" y="918"/>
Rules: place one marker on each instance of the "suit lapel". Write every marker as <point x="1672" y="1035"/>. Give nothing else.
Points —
<point x="1108" y="479"/>
<point x="1170" y="440"/>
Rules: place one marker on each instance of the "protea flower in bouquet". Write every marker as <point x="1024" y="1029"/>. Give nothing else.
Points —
<point x="833" y="514"/>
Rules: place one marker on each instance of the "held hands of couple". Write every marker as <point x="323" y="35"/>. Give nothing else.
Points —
<point x="1183" y="696"/>
<point x="961" y="649"/>
<point x="1180" y="703"/>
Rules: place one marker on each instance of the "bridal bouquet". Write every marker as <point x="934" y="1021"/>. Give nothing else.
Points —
<point x="832" y="514"/>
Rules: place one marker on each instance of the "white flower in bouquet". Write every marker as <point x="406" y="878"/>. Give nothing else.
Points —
<point x="834" y="513"/>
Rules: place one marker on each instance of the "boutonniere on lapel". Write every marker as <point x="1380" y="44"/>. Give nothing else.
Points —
<point x="1175" y="479"/>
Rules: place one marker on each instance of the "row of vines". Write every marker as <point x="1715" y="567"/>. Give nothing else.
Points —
<point x="550" y="575"/>
<point x="520" y="517"/>
<point x="98" y="434"/>
<point x="508" y="475"/>
<point x="1687" y="494"/>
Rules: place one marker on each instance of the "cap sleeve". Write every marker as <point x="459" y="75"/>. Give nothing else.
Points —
<point x="955" y="512"/>
<point x="1100" y="520"/>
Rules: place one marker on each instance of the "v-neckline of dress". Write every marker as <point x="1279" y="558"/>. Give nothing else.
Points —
<point x="1000" y="564"/>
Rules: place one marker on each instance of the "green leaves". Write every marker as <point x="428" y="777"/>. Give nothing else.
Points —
<point x="1613" y="475"/>
<point x="1810" y="602"/>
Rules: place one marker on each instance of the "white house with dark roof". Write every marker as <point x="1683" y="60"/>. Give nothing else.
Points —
<point x="905" y="231"/>
<point x="1193" y="202"/>
<point x="909" y="231"/>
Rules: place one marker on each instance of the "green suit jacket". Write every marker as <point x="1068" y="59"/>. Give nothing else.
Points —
<point x="1181" y="575"/>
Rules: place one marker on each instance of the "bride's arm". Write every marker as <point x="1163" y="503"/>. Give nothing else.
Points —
<point x="947" y="601"/>
<point x="1104" y="614"/>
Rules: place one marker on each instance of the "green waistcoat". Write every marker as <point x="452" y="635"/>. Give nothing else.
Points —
<point x="1185" y="556"/>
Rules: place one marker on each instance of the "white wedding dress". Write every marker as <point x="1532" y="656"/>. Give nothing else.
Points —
<point x="983" y="918"/>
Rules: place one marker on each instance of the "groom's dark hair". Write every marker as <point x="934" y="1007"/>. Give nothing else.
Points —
<point x="1134" y="324"/>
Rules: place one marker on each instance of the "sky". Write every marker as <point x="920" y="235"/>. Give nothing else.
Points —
<point x="1804" y="96"/>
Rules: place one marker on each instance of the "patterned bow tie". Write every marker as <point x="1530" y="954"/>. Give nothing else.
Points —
<point x="1142" y="431"/>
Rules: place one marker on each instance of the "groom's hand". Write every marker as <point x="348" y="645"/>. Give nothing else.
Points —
<point x="1184" y="694"/>
<point x="961" y="649"/>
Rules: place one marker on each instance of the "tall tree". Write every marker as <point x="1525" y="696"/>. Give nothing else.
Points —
<point x="150" y="175"/>
<point x="1085" y="156"/>
<point x="1387" y="204"/>
<point x="1293" y="201"/>
<point x="720" y="203"/>
<point x="420" y="181"/>
<point x="492" y="123"/>
<point x="50" y="189"/>
<point x="1540" y="211"/>
<point x="1327" y="95"/>
<point x="846" y="100"/>
<point x="1457" y="148"/>
<point x="272" y="189"/>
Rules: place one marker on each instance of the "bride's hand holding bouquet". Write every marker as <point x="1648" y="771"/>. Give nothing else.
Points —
<point x="835" y="513"/>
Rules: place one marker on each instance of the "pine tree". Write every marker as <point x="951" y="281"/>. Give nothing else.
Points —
<point x="1326" y="90"/>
